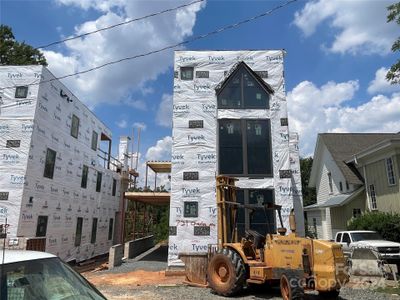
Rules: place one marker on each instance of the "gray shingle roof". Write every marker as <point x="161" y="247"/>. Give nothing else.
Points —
<point x="343" y="146"/>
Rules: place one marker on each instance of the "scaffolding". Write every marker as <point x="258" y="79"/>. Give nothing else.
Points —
<point x="140" y="212"/>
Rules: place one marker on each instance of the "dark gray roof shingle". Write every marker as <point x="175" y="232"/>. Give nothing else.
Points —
<point x="343" y="146"/>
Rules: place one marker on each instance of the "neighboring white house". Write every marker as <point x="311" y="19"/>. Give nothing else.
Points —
<point x="340" y="186"/>
<point x="59" y="187"/>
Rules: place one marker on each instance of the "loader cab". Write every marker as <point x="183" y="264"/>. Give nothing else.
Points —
<point x="262" y="222"/>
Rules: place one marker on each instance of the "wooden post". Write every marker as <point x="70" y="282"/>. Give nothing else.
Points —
<point x="133" y="220"/>
<point x="145" y="182"/>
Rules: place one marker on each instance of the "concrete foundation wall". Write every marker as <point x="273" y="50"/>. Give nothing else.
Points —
<point x="138" y="246"/>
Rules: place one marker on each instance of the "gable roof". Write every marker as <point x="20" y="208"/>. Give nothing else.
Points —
<point x="343" y="146"/>
<point x="268" y="89"/>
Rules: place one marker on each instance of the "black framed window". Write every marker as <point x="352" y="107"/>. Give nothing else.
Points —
<point x="95" y="137"/>
<point x="21" y="92"/>
<point x="230" y="147"/>
<point x="242" y="90"/>
<point x="78" y="232"/>
<point x="41" y="228"/>
<point x="75" y="126"/>
<point x="245" y="147"/>
<point x="114" y="187"/>
<point x="187" y="73"/>
<point x="98" y="181"/>
<point x="85" y="172"/>
<point x="94" y="231"/>
<point x="50" y="163"/>
<point x="110" y="229"/>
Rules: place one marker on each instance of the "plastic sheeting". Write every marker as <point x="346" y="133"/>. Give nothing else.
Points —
<point x="196" y="149"/>
<point x="41" y="121"/>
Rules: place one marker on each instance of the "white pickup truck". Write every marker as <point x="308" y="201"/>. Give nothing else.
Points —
<point x="390" y="251"/>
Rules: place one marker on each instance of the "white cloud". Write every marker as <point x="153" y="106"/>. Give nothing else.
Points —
<point x="121" y="123"/>
<point x="164" y="112"/>
<point x="140" y="125"/>
<point x="312" y="111"/>
<point x="114" y="83"/>
<point x="161" y="151"/>
<point x="360" y="26"/>
<point x="380" y="85"/>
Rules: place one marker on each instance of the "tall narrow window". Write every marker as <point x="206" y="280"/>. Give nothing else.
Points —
<point x="98" y="181"/>
<point x="85" y="171"/>
<point x="78" y="232"/>
<point x="110" y="229"/>
<point x="49" y="163"/>
<point x="75" y="126"/>
<point x="94" y="140"/>
<point x="21" y="92"/>
<point x="372" y="194"/>
<point x="94" y="231"/>
<point x="41" y="227"/>
<point x="330" y="182"/>
<point x="347" y="185"/>
<point x="390" y="171"/>
<point x="230" y="147"/>
<point x="258" y="147"/>
<point x="341" y="186"/>
<point x="114" y="187"/>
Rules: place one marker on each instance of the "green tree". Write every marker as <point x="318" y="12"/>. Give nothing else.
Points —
<point x="16" y="53"/>
<point x="309" y="194"/>
<point x="393" y="75"/>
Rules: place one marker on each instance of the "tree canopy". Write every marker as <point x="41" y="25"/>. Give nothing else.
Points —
<point x="393" y="75"/>
<point x="309" y="194"/>
<point x="13" y="52"/>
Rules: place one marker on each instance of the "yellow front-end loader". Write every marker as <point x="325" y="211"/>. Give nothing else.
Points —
<point x="291" y="262"/>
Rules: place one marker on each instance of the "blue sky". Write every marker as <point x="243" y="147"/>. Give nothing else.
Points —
<point x="337" y="53"/>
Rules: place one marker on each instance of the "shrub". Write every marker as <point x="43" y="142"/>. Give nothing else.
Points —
<point x="386" y="224"/>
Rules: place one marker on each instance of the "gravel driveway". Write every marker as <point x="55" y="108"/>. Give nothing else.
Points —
<point x="186" y="293"/>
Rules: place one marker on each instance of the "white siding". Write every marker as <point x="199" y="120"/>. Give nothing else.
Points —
<point x="328" y="164"/>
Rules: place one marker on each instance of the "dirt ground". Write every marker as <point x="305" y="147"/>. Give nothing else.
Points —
<point x="132" y="279"/>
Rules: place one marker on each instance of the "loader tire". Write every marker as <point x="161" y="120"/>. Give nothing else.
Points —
<point x="291" y="287"/>
<point x="226" y="273"/>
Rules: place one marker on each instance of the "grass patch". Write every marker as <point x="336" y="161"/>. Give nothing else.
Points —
<point x="389" y="290"/>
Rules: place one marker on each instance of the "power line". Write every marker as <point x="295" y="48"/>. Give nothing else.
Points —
<point x="198" y="37"/>
<point x="118" y="24"/>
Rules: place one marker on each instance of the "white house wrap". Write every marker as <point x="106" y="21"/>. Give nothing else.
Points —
<point x="197" y="121"/>
<point x="34" y="119"/>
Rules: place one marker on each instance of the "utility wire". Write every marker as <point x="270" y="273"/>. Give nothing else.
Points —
<point x="118" y="24"/>
<point x="195" y="38"/>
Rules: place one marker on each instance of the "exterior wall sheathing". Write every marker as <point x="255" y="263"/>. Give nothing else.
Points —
<point x="196" y="149"/>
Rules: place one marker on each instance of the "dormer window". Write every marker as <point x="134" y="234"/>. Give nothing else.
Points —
<point x="244" y="89"/>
